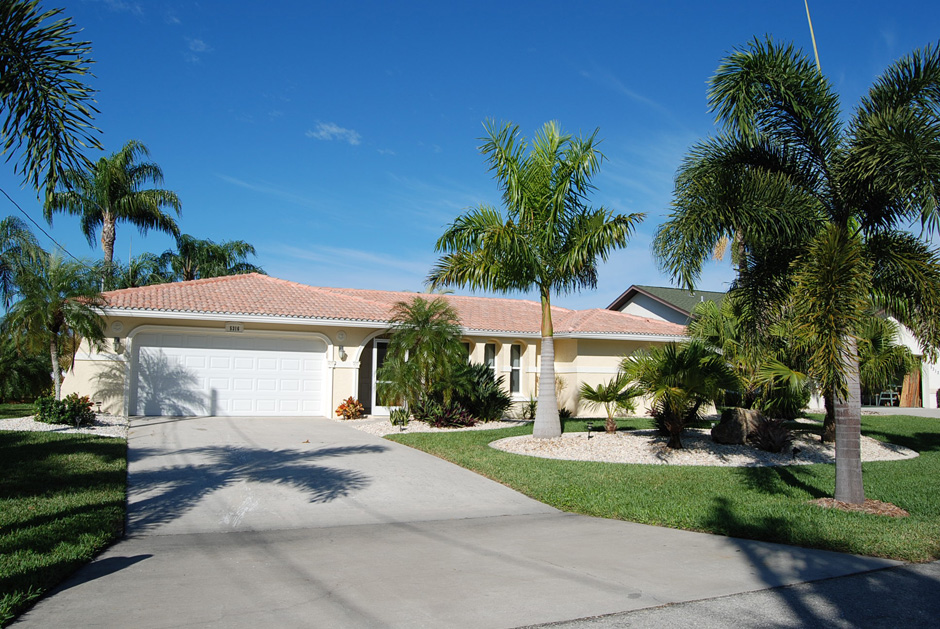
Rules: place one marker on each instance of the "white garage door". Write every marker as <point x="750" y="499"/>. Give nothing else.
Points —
<point x="227" y="374"/>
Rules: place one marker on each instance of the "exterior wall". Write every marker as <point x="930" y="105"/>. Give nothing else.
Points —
<point x="645" y="306"/>
<point x="103" y="374"/>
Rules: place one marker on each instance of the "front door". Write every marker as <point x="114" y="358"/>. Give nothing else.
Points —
<point x="380" y="406"/>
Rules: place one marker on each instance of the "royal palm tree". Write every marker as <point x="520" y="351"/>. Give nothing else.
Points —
<point x="679" y="380"/>
<point x="47" y="108"/>
<point x="58" y="304"/>
<point x="817" y="211"/>
<point x="111" y="191"/>
<point x="18" y="247"/>
<point x="197" y="258"/>
<point x="424" y="350"/>
<point x="549" y="238"/>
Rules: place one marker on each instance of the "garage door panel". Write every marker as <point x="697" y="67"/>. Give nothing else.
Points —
<point x="197" y="374"/>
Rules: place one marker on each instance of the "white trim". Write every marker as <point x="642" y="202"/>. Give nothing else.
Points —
<point x="578" y="369"/>
<point x="129" y="348"/>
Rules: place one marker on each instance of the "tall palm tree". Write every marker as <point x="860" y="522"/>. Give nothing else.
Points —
<point x="58" y="303"/>
<point x="48" y="109"/>
<point x="18" y="247"/>
<point x="817" y="211"/>
<point x="549" y="238"/>
<point x="197" y="258"/>
<point x="111" y="191"/>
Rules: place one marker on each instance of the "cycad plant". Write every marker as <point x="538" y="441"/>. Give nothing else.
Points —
<point x="817" y="211"/>
<point x="679" y="380"/>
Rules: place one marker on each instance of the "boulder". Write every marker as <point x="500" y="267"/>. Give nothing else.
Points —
<point x="735" y="425"/>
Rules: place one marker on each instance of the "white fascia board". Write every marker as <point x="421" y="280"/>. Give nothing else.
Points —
<point x="661" y="338"/>
<point x="231" y="316"/>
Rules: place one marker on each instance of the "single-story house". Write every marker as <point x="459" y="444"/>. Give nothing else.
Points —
<point x="675" y="305"/>
<point x="256" y="345"/>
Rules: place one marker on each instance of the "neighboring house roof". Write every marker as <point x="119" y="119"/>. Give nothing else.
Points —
<point x="254" y="295"/>
<point x="679" y="299"/>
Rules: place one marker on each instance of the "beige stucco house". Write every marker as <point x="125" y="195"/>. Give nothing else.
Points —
<point x="257" y="345"/>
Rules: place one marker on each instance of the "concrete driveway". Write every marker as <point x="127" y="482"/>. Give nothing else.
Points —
<point x="252" y="522"/>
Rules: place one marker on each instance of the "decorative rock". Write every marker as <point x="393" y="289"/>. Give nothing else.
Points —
<point x="735" y="425"/>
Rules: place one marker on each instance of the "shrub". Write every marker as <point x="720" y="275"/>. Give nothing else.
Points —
<point x="350" y="409"/>
<point x="529" y="408"/>
<point x="481" y="392"/>
<point x="399" y="417"/>
<point x="771" y="435"/>
<point x="784" y="403"/>
<point x="564" y="413"/>
<point x="74" y="409"/>
<point x="442" y="414"/>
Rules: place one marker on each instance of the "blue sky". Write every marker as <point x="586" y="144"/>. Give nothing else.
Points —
<point x="341" y="138"/>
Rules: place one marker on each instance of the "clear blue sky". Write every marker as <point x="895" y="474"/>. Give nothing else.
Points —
<point x="341" y="137"/>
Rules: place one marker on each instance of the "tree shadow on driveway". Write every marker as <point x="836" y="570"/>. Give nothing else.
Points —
<point x="164" y="493"/>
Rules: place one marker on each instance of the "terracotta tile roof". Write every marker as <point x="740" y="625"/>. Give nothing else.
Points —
<point x="261" y="295"/>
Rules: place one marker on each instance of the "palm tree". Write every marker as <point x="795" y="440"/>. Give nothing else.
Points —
<point x="424" y="351"/>
<point x="679" y="380"/>
<point x="612" y="396"/>
<point x="18" y="247"/>
<point x="196" y="258"/>
<point x="144" y="270"/>
<point x="548" y="240"/>
<point x="58" y="304"/>
<point x="817" y="211"/>
<point x="111" y="191"/>
<point x="48" y="109"/>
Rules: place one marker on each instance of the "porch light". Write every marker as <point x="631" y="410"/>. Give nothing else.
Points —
<point x="342" y="353"/>
<point x="116" y="344"/>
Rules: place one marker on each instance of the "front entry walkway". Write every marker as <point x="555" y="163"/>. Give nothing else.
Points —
<point x="293" y="522"/>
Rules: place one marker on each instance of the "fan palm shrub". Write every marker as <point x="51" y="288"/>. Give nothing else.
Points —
<point x="615" y="395"/>
<point x="679" y="380"/>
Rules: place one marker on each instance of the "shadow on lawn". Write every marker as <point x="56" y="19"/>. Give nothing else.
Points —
<point x="163" y="494"/>
<point x="889" y="597"/>
<point x="782" y="480"/>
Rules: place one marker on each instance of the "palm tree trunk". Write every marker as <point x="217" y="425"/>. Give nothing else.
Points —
<point x="108" y="236"/>
<point x="547" y="424"/>
<point x="56" y="372"/>
<point x="848" y="419"/>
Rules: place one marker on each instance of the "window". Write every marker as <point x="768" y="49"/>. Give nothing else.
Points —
<point x="466" y="350"/>
<point x="515" y="368"/>
<point x="489" y="355"/>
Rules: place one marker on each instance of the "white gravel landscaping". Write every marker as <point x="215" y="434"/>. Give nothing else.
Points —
<point x="648" y="447"/>
<point x="103" y="425"/>
<point x="381" y="426"/>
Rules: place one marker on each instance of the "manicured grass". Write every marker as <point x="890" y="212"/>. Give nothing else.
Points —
<point x="765" y="503"/>
<point x="8" y="411"/>
<point x="61" y="502"/>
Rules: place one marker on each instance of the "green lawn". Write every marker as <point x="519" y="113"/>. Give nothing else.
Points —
<point x="8" y="411"/>
<point x="766" y="503"/>
<point x="61" y="502"/>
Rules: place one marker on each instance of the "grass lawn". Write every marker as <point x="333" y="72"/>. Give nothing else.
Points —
<point x="8" y="411"/>
<point x="61" y="502"/>
<point x="764" y="503"/>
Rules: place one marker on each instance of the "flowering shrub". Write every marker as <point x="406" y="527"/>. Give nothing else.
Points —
<point x="350" y="409"/>
<point x="74" y="409"/>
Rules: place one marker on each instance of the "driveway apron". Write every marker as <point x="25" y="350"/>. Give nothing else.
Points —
<point x="305" y="522"/>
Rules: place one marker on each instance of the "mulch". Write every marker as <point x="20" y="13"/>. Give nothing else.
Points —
<point x="871" y="507"/>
